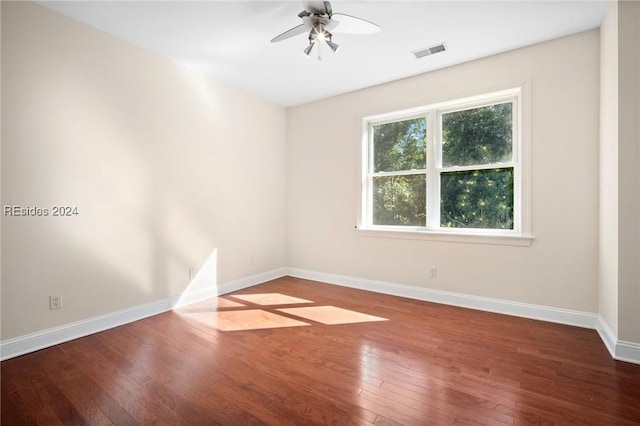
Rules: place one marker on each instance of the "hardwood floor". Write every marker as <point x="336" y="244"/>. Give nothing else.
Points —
<point x="402" y="362"/>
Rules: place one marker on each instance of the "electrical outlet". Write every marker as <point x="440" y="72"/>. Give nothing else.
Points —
<point x="55" y="301"/>
<point x="433" y="272"/>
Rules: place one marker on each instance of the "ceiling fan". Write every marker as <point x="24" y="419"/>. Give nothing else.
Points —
<point x="318" y="19"/>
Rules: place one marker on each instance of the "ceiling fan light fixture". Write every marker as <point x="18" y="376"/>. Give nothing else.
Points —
<point x="317" y="20"/>
<point x="332" y="45"/>
<point x="319" y="33"/>
<point x="307" y="51"/>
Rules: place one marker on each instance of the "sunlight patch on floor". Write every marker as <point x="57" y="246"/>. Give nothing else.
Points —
<point x="267" y="299"/>
<point x="250" y="319"/>
<point x="331" y="315"/>
<point x="210" y="305"/>
<point x="226" y="303"/>
<point x="225" y="314"/>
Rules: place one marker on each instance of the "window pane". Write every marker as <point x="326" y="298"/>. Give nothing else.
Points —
<point x="477" y="136"/>
<point x="399" y="200"/>
<point x="400" y="145"/>
<point x="477" y="199"/>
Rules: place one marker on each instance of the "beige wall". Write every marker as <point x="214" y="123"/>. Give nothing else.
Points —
<point x="168" y="170"/>
<point x="629" y="170"/>
<point x="608" y="224"/>
<point x="559" y="269"/>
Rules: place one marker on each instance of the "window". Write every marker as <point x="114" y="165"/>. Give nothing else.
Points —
<point x="449" y="169"/>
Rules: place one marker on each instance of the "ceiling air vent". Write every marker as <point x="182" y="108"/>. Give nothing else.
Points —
<point x="421" y="53"/>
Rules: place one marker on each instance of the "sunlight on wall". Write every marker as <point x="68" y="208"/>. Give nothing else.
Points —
<point x="195" y="76"/>
<point x="205" y="280"/>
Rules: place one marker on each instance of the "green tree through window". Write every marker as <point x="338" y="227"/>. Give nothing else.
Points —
<point x="477" y="199"/>
<point x="480" y="198"/>
<point x="472" y="172"/>
<point x="400" y="147"/>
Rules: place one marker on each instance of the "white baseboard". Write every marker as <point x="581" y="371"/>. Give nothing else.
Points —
<point x="241" y="283"/>
<point x="538" y="312"/>
<point x="627" y="351"/>
<point x="607" y="336"/>
<point x="43" y="339"/>
<point x="620" y="350"/>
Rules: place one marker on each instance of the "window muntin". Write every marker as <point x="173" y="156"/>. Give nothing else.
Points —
<point x="446" y="168"/>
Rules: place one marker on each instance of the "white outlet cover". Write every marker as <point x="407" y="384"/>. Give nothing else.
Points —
<point x="55" y="301"/>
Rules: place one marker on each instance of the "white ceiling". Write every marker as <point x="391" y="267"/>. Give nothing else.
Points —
<point x="231" y="39"/>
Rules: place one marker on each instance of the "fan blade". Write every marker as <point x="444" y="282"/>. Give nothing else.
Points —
<point x="352" y="25"/>
<point x="302" y="28"/>
<point x="331" y="24"/>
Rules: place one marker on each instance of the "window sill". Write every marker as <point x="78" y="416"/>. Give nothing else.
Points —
<point x="451" y="237"/>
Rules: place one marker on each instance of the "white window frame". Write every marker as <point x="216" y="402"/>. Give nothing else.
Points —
<point x="521" y="232"/>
